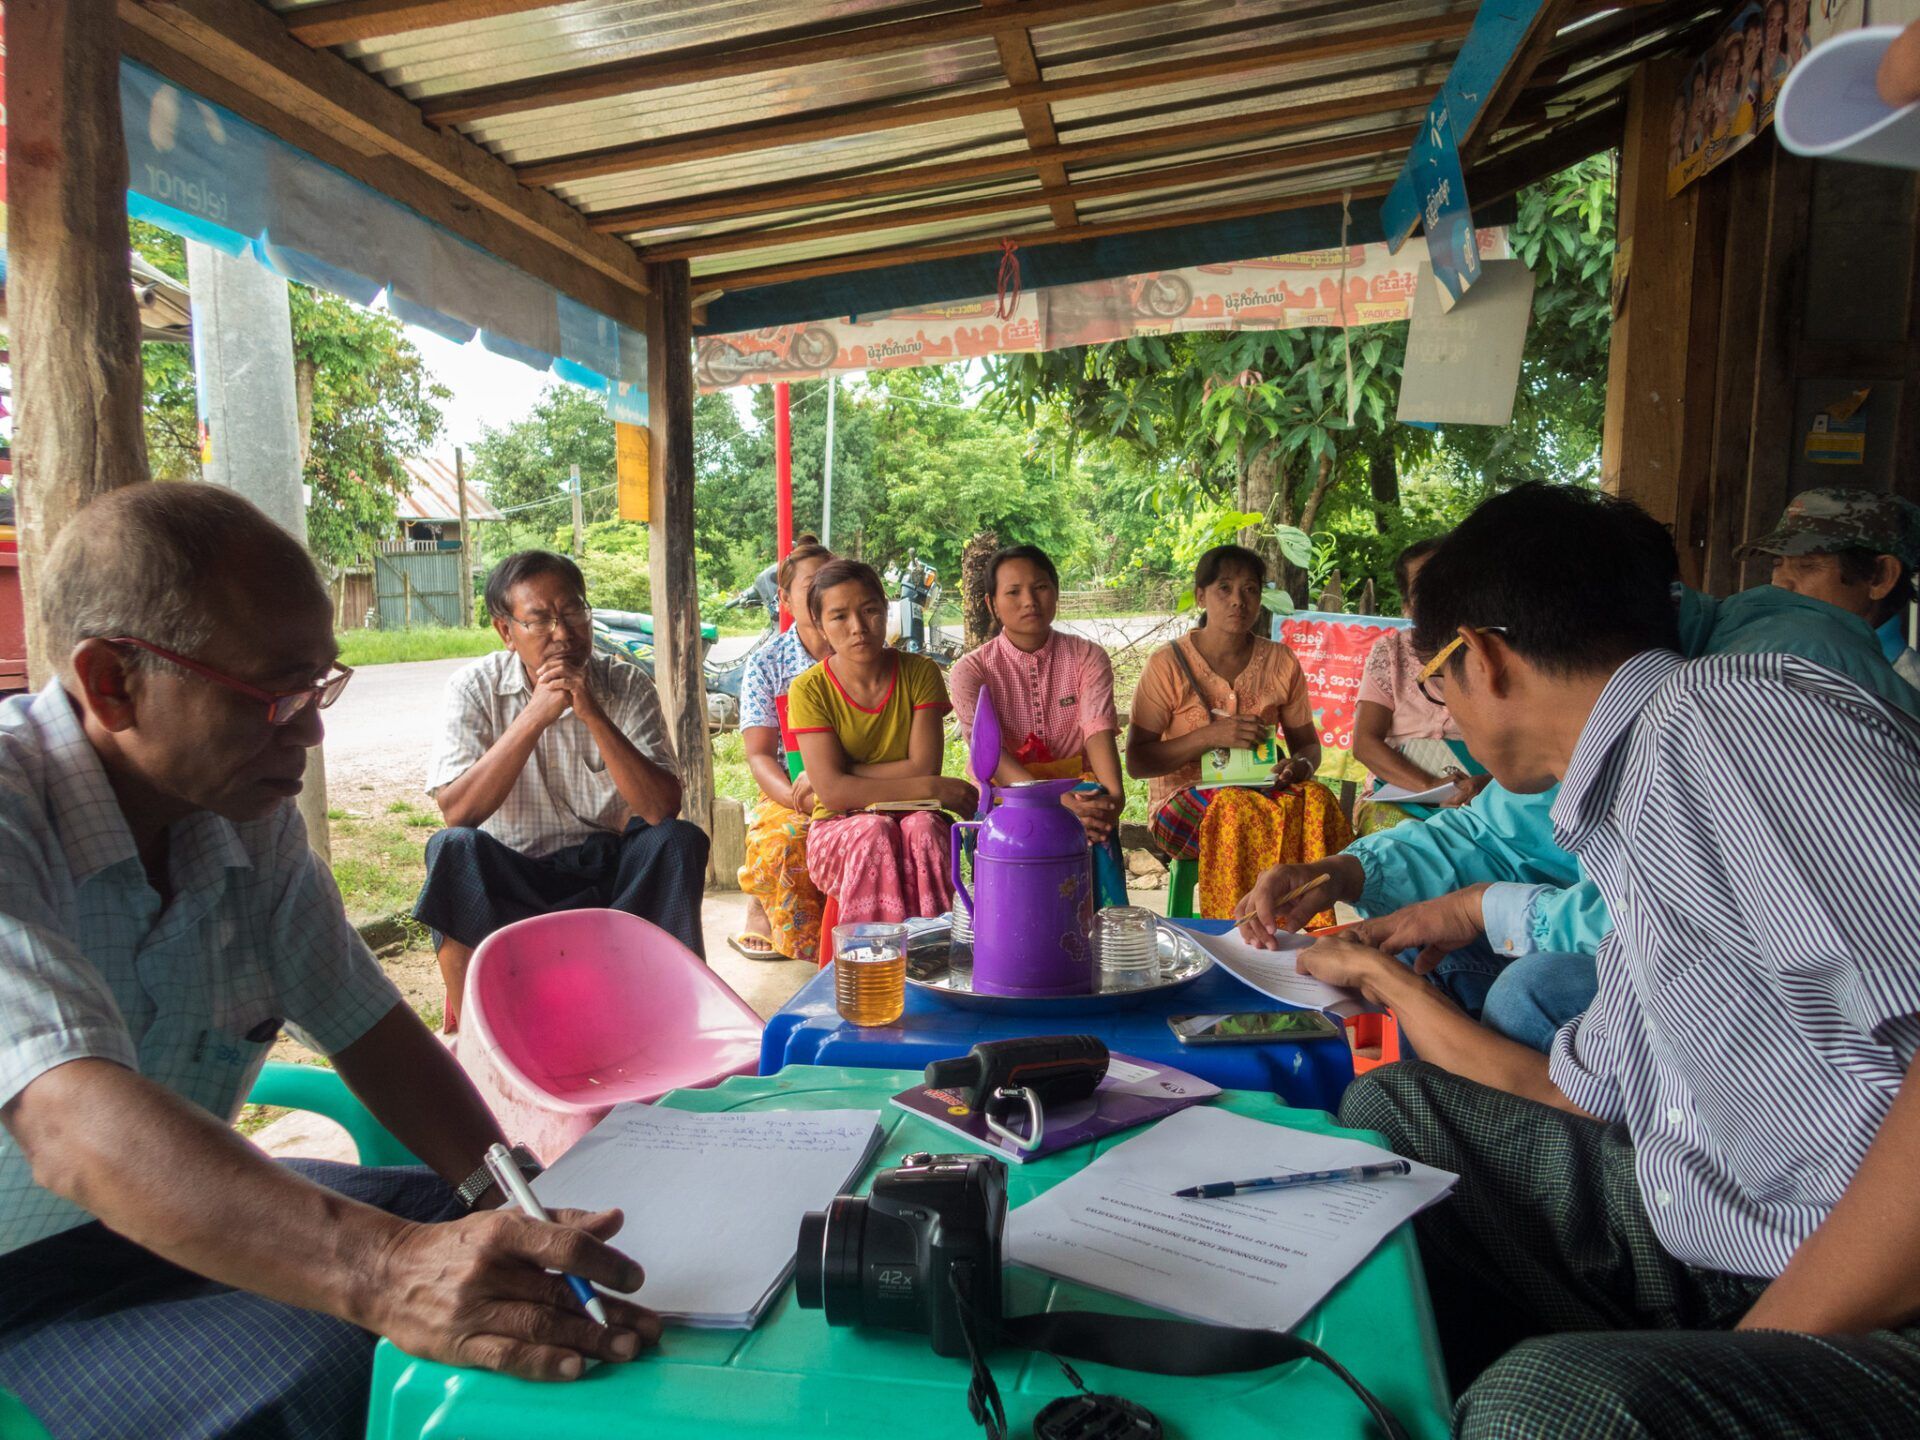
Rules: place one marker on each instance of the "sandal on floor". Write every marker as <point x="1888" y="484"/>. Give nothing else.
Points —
<point x="753" y="946"/>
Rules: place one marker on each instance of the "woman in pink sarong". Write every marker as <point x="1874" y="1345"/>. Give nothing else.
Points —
<point x="868" y="719"/>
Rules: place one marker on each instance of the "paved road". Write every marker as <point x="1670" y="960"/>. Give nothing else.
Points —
<point x="381" y="731"/>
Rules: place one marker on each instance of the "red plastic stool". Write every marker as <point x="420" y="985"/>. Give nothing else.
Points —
<point x="1370" y="1032"/>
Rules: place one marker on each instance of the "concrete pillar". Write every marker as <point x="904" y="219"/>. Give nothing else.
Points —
<point x="243" y="371"/>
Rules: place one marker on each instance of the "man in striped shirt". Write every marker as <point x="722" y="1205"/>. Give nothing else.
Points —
<point x="1718" y="1158"/>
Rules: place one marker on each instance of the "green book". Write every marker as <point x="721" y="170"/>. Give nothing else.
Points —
<point x="1240" y="767"/>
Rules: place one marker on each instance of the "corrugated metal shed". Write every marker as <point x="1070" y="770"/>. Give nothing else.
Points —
<point x="768" y="143"/>
<point x="435" y="493"/>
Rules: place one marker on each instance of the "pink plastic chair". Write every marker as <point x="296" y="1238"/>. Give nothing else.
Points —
<point x="570" y="1014"/>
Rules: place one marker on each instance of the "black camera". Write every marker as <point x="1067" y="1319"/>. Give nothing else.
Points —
<point x="926" y="1240"/>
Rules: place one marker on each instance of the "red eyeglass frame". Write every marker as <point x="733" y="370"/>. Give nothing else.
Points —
<point x="320" y="696"/>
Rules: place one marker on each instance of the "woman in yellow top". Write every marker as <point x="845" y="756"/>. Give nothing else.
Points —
<point x="1221" y="686"/>
<point x="868" y="720"/>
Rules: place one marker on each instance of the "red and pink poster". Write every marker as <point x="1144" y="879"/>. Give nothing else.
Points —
<point x="1333" y="651"/>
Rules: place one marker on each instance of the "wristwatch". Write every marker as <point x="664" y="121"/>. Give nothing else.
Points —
<point x="481" y="1180"/>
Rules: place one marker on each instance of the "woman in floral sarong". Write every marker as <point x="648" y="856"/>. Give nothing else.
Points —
<point x="1223" y="687"/>
<point x="783" y="906"/>
<point x="869" y="722"/>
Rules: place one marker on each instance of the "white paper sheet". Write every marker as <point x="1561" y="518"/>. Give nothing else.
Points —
<point x="713" y="1200"/>
<point x="1262" y="1259"/>
<point x="1276" y="973"/>
<point x="1399" y="795"/>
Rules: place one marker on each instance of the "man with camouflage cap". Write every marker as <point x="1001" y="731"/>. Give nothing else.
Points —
<point x="1856" y="549"/>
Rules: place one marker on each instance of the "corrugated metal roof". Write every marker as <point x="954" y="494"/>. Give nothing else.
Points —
<point x="435" y="492"/>
<point x="774" y="114"/>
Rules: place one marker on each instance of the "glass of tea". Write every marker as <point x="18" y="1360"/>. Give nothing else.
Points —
<point x="870" y="972"/>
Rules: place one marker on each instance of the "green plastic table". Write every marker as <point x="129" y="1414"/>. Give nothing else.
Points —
<point x="796" y="1376"/>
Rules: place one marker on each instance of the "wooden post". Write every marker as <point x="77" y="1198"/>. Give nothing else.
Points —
<point x="406" y="589"/>
<point x="677" y="652"/>
<point x="75" y="334"/>
<point x="466" y="540"/>
<point x="1644" y="436"/>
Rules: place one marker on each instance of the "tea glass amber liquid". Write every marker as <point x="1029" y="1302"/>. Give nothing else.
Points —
<point x="870" y="972"/>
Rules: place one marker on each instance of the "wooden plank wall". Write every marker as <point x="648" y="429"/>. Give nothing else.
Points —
<point x="1762" y="293"/>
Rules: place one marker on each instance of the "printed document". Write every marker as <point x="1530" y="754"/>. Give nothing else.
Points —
<point x="1275" y="973"/>
<point x="1262" y="1259"/>
<point x="713" y="1200"/>
<point x="1400" y="795"/>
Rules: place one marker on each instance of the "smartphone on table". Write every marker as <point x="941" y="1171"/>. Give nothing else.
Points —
<point x="1254" y="1027"/>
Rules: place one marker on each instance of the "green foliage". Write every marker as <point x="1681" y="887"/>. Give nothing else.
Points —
<point x="1194" y="434"/>
<point x="372" y="404"/>
<point x="526" y="467"/>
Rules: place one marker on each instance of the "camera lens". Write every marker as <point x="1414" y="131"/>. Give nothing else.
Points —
<point x="827" y="1265"/>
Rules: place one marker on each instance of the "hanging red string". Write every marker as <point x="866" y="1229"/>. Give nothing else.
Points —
<point x="1009" y="281"/>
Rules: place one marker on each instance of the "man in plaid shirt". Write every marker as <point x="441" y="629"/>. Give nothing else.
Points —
<point x="556" y="779"/>
<point x="161" y="917"/>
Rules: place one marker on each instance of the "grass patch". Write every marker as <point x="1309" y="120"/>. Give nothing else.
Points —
<point x="379" y="862"/>
<point x="255" y="1118"/>
<point x="388" y="647"/>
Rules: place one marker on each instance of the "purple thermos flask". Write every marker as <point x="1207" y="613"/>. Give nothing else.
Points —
<point x="1032" y="895"/>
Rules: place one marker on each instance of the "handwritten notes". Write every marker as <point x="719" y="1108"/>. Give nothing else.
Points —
<point x="713" y="1201"/>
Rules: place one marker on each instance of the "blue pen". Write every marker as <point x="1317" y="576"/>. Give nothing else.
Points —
<point x="512" y="1184"/>
<point x="1304" y="1177"/>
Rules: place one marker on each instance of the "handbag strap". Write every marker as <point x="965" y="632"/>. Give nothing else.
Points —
<point x="1180" y="658"/>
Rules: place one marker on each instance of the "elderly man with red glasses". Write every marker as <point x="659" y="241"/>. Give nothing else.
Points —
<point x="161" y="918"/>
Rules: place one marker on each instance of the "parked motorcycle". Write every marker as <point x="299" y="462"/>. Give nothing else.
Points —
<point x="910" y="624"/>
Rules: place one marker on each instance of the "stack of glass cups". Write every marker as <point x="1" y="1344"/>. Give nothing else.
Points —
<point x="1126" y="948"/>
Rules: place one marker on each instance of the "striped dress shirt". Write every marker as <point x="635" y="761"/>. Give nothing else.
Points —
<point x="1752" y="822"/>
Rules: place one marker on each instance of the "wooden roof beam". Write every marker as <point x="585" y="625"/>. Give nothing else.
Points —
<point x="390" y="176"/>
<point x="868" y="119"/>
<point x="708" y="286"/>
<point x="246" y="43"/>
<point x="734" y="204"/>
<point x="1021" y="66"/>
<point x="1527" y="56"/>
<point x="1297" y="157"/>
<point x="344" y="21"/>
<point x="773" y="50"/>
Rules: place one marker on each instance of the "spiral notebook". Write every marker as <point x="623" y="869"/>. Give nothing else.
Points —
<point x="713" y="1201"/>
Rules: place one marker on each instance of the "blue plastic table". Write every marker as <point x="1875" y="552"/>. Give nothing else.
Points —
<point x="1314" y="1075"/>
<point x="796" y="1377"/>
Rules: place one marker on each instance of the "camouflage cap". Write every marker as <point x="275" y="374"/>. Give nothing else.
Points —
<point x="1839" y="517"/>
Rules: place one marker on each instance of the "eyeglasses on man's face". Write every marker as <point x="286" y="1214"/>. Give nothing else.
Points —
<point x="1430" y="672"/>
<point x="541" y="624"/>
<point x="283" y="706"/>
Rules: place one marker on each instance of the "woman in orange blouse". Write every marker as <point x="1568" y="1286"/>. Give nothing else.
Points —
<point x="1224" y="686"/>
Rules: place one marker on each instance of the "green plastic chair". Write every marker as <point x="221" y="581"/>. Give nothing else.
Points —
<point x="321" y="1091"/>
<point x="296" y="1087"/>
<point x="17" y="1422"/>
<point x="1182" y="876"/>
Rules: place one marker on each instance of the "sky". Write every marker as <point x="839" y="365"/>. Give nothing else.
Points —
<point x="488" y="389"/>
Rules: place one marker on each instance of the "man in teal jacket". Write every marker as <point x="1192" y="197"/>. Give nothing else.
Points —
<point x="1483" y="899"/>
